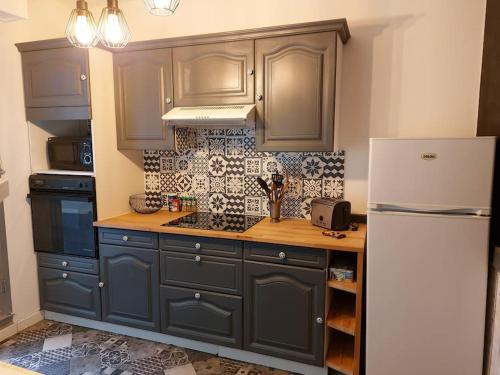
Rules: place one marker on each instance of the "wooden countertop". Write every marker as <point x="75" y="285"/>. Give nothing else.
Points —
<point x="6" y="369"/>
<point x="295" y="232"/>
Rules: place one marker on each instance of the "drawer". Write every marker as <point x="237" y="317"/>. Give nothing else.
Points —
<point x="201" y="245"/>
<point x="282" y="254"/>
<point x="68" y="263"/>
<point x="72" y="293"/>
<point x="199" y="315"/>
<point x="133" y="238"/>
<point x="205" y="272"/>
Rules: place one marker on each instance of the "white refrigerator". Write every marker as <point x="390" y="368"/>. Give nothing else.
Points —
<point x="427" y="255"/>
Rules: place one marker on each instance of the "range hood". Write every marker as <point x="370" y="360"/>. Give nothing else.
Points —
<point x="222" y="116"/>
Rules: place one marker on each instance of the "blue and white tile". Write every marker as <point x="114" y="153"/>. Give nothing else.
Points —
<point x="312" y="167"/>
<point x="217" y="146"/>
<point x="217" y="203"/>
<point x="333" y="188"/>
<point x="167" y="164"/>
<point x="253" y="166"/>
<point x="311" y="188"/>
<point x="183" y="164"/>
<point x="217" y="165"/>
<point x="217" y="184"/>
<point x="253" y="205"/>
<point x="235" y="184"/>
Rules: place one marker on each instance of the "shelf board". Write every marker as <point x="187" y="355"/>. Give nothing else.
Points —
<point x="341" y="354"/>
<point x="342" y="318"/>
<point x="346" y="285"/>
<point x="65" y="172"/>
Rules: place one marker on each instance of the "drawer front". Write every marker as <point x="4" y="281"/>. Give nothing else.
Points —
<point x="200" y="315"/>
<point x="68" y="263"/>
<point x="201" y="245"/>
<point x="202" y="272"/>
<point x="291" y="255"/>
<point x="70" y="293"/>
<point x="133" y="238"/>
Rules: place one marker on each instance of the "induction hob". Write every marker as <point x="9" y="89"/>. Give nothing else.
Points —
<point x="215" y="221"/>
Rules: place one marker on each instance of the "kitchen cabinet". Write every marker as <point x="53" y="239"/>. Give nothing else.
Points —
<point x="143" y="94"/>
<point x="295" y="92"/>
<point x="202" y="315"/>
<point x="130" y="292"/>
<point x="214" y="74"/>
<point x="284" y="309"/>
<point x="70" y="293"/>
<point x="56" y="84"/>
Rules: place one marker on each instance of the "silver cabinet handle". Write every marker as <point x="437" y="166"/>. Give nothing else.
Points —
<point x="197" y="246"/>
<point x="64" y="264"/>
<point x="250" y="72"/>
<point x="65" y="275"/>
<point x="125" y="238"/>
<point x="319" y="320"/>
<point x="197" y="295"/>
<point x="259" y="97"/>
<point x="168" y="100"/>
<point x="101" y="285"/>
<point x="83" y="77"/>
<point x="282" y="255"/>
<point x="197" y="258"/>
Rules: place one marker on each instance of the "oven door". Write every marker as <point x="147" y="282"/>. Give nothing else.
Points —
<point x="63" y="223"/>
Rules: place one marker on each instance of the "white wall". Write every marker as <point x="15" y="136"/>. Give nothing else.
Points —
<point x="412" y="68"/>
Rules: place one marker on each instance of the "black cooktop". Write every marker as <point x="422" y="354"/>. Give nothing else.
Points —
<point x="215" y="221"/>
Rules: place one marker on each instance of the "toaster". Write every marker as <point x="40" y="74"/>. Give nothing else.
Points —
<point x="330" y="213"/>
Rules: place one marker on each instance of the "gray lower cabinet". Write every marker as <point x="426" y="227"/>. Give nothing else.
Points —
<point x="284" y="311"/>
<point x="70" y="293"/>
<point x="130" y="294"/>
<point x="202" y="315"/>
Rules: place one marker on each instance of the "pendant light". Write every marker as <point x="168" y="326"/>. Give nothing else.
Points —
<point x="161" y="7"/>
<point x="113" y="29"/>
<point x="81" y="30"/>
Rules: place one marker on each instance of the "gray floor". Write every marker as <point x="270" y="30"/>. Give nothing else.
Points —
<point x="53" y="348"/>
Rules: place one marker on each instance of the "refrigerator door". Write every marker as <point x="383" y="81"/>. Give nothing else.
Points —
<point x="426" y="294"/>
<point x="432" y="174"/>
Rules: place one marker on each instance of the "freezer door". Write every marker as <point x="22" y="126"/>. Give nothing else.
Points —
<point x="426" y="294"/>
<point x="432" y="174"/>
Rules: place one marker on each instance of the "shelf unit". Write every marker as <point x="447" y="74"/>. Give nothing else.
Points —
<point x="344" y="313"/>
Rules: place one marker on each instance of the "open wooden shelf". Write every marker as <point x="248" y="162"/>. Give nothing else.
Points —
<point x="343" y="318"/>
<point x="340" y="355"/>
<point x="346" y="285"/>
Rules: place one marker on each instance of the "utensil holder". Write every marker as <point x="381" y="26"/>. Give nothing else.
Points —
<point x="275" y="211"/>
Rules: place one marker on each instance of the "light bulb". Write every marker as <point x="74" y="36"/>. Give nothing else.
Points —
<point x="83" y="31"/>
<point x="113" y="32"/>
<point x="162" y="3"/>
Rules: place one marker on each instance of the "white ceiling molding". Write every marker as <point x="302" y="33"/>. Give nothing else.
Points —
<point x="13" y="10"/>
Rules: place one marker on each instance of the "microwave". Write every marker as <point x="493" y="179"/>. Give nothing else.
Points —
<point x="70" y="153"/>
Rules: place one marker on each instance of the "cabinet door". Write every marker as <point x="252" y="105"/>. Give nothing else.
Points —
<point x="130" y="295"/>
<point x="69" y="293"/>
<point x="56" y="78"/>
<point x="143" y="94"/>
<point x="295" y="87"/>
<point x="201" y="315"/>
<point x="214" y="74"/>
<point x="282" y="305"/>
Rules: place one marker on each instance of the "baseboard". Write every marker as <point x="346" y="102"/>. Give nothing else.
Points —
<point x="18" y="326"/>
<point x="236" y="354"/>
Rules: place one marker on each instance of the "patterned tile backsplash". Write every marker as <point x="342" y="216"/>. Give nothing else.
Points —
<point x="219" y="168"/>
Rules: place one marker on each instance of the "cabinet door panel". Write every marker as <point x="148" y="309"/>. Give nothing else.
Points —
<point x="214" y="74"/>
<point x="212" y="317"/>
<point x="69" y="293"/>
<point x="296" y="77"/>
<point x="143" y="84"/>
<point x="282" y="304"/>
<point x="56" y="78"/>
<point x="131" y="286"/>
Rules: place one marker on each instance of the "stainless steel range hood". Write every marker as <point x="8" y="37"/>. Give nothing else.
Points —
<point x="223" y="116"/>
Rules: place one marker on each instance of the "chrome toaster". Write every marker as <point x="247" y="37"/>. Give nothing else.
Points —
<point x="330" y="213"/>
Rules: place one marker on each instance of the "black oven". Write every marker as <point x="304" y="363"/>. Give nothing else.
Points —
<point x="63" y="210"/>
<point x="70" y="153"/>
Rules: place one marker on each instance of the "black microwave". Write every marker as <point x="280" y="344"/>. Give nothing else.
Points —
<point x="70" y="153"/>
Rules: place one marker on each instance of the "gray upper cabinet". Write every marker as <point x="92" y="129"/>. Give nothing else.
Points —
<point x="295" y="91"/>
<point x="284" y="311"/>
<point x="56" y="83"/>
<point x="143" y="94"/>
<point x="130" y="294"/>
<point x="214" y="74"/>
